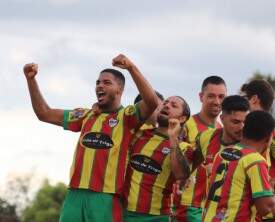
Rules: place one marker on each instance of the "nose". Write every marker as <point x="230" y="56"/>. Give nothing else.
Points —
<point x="217" y="100"/>
<point x="241" y="125"/>
<point x="99" y="85"/>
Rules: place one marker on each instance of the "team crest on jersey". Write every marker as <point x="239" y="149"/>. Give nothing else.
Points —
<point x="145" y="164"/>
<point x="165" y="150"/>
<point x="113" y="122"/>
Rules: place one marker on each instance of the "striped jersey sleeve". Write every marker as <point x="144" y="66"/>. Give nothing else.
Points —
<point x="259" y="179"/>
<point x="73" y="119"/>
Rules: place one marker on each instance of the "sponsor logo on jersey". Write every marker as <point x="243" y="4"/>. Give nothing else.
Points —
<point x="76" y="114"/>
<point x="145" y="164"/>
<point x="98" y="140"/>
<point x="231" y="154"/>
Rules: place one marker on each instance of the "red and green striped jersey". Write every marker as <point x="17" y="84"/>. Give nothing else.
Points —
<point x="100" y="161"/>
<point x="271" y="170"/>
<point x="209" y="142"/>
<point x="269" y="151"/>
<point x="239" y="175"/>
<point x="194" y="194"/>
<point x="149" y="178"/>
<point x="196" y="125"/>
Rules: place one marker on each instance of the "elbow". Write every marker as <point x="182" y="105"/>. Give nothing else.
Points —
<point x="42" y="115"/>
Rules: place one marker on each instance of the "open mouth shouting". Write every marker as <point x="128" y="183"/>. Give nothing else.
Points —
<point x="100" y="96"/>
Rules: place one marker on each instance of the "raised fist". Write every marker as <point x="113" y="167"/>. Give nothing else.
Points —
<point x="30" y="70"/>
<point x="174" y="128"/>
<point x="122" y="61"/>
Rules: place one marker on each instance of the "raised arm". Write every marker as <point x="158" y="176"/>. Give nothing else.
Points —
<point x="149" y="99"/>
<point x="40" y="107"/>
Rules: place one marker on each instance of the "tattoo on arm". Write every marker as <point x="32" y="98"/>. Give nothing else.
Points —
<point x="197" y="159"/>
<point x="182" y="160"/>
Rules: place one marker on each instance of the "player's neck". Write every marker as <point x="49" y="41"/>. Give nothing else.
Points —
<point x="251" y="144"/>
<point x="207" y="119"/>
<point x="162" y="130"/>
<point x="112" y="108"/>
<point x="227" y="140"/>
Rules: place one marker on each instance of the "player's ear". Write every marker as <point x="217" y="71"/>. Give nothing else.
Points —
<point x="254" y="100"/>
<point x="222" y="118"/>
<point x="201" y="96"/>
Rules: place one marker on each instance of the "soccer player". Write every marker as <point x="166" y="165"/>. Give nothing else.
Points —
<point x="260" y="95"/>
<point x="189" y="204"/>
<point x="211" y="141"/>
<point x="99" y="164"/>
<point x="239" y="182"/>
<point x="149" y="177"/>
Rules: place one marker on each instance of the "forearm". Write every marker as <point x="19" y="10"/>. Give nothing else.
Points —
<point x="39" y="105"/>
<point x="146" y="91"/>
<point x="179" y="163"/>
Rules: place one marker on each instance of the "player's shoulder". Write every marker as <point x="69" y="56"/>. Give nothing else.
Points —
<point x="77" y="113"/>
<point x="251" y="158"/>
<point x="207" y="134"/>
<point x="184" y="145"/>
<point x="130" y="109"/>
<point x="190" y="122"/>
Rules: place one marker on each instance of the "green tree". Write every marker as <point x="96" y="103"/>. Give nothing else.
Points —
<point x="7" y="211"/>
<point x="46" y="205"/>
<point x="268" y="77"/>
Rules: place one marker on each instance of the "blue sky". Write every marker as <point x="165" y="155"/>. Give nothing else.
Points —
<point x="175" y="44"/>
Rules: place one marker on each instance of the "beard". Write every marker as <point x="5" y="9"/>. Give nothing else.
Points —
<point x="108" y="103"/>
<point x="162" y="121"/>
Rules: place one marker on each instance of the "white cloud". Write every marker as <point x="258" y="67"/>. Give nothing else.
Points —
<point x="27" y="143"/>
<point x="61" y="3"/>
<point x="175" y="50"/>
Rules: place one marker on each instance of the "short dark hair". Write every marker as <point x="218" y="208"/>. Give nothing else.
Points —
<point x="216" y="80"/>
<point x="258" y="125"/>
<point x="186" y="109"/>
<point x="138" y="97"/>
<point x="262" y="89"/>
<point x="117" y="74"/>
<point x="235" y="103"/>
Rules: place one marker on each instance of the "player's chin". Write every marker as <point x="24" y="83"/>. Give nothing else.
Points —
<point x="238" y="137"/>
<point x="215" y="112"/>
<point x="102" y="103"/>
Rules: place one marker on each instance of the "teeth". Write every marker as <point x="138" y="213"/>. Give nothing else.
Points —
<point x="100" y="93"/>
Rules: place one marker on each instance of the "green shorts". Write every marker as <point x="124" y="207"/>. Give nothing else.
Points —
<point x="188" y="214"/>
<point x="82" y="205"/>
<point x="129" y="216"/>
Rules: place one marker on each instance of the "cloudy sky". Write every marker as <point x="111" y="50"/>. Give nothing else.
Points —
<point x="176" y="44"/>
